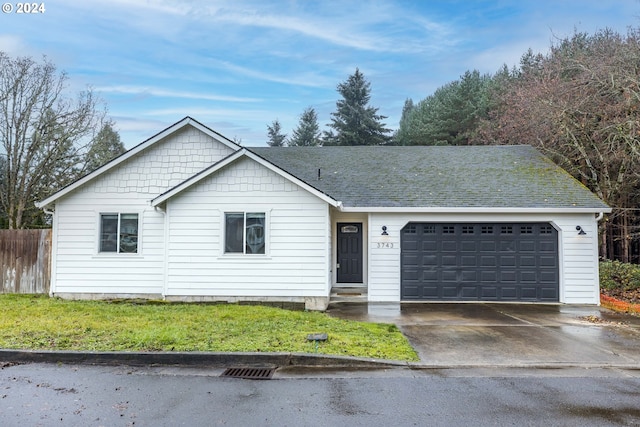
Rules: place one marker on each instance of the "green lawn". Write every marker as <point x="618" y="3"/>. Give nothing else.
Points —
<point x="43" y="323"/>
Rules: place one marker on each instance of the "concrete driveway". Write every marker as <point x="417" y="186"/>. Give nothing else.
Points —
<point x="485" y="334"/>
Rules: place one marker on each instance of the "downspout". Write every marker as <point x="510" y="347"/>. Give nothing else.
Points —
<point x="54" y="250"/>
<point x="165" y="271"/>
<point x="599" y="217"/>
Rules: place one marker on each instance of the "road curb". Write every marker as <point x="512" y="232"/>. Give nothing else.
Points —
<point x="194" y="359"/>
<point x="280" y="360"/>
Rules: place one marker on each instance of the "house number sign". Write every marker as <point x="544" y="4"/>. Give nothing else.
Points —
<point x="384" y="245"/>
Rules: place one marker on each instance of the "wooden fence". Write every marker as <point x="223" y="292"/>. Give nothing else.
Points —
<point x="25" y="261"/>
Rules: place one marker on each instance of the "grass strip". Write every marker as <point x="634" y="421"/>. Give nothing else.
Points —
<point x="38" y="322"/>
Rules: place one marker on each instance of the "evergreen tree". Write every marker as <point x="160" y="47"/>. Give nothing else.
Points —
<point x="276" y="138"/>
<point x="355" y="122"/>
<point x="105" y="146"/>
<point x="401" y="136"/>
<point x="450" y="116"/>
<point x="308" y="131"/>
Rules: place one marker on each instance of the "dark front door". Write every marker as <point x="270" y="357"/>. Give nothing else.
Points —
<point x="349" y="252"/>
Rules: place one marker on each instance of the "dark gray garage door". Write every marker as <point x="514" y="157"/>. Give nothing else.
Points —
<point x="480" y="262"/>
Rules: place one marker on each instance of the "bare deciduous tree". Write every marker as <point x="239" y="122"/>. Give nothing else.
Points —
<point x="43" y="132"/>
<point x="580" y="104"/>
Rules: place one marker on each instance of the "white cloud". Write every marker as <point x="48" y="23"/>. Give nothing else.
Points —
<point x="12" y="45"/>
<point x="150" y="91"/>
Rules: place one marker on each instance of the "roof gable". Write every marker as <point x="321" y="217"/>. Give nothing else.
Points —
<point x="229" y="160"/>
<point x="434" y="177"/>
<point x="145" y="145"/>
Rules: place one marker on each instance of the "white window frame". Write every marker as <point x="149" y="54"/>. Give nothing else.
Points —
<point x="117" y="252"/>
<point x="244" y="212"/>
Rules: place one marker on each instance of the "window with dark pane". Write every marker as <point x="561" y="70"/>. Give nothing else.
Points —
<point x="448" y="229"/>
<point x="410" y="229"/>
<point x="545" y="229"/>
<point x="234" y="232"/>
<point x="506" y="229"/>
<point x="244" y="233"/>
<point x="109" y="233"/>
<point x="486" y="229"/>
<point x="119" y="233"/>
<point x="526" y="229"/>
<point x="467" y="229"/>
<point x="255" y="233"/>
<point x="429" y="229"/>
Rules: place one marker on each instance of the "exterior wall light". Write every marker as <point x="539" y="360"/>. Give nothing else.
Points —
<point x="581" y="232"/>
<point x="384" y="230"/>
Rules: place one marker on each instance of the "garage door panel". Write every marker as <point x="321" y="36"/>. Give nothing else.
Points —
<point x="469" y="292"/>
<point x="429" y="245"/>
<point x="548" y="261"/>
<point x="449" y="276"/>
<point x="468" y="261"/>
<point x="486" y="246"/>
<point x="489" y="292"/>
<point x="527" y="246"/>
<point x="508" y="277"/>
<point x="429" y="260"/>
<point x="527" y="261"/>
<point x="488" y="277"/>
<point x="493" y="262"/>
<point x="449" y="246"/>
<point x="449" y="260"/>
<point x="507" y="261"/>
<point x="547" y="246"/>
<point x="468" y="246"/>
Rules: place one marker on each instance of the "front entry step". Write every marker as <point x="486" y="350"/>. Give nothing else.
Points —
<point x="349" y="294"/>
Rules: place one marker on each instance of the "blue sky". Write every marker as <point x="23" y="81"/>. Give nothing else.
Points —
<point x="238" y="65"/>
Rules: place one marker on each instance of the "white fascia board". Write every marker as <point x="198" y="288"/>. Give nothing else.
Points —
<point x="472" y="210"/>
<point x="234" y="157"/>
<point x="135" y="150"/>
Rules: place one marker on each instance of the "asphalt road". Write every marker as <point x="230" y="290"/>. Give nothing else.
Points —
<point x="74" y="395"/>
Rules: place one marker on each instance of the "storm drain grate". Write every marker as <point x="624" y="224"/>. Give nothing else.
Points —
<point x="249" y="373"/>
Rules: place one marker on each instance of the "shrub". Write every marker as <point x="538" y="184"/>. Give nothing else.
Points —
<point x="619" y="275"/>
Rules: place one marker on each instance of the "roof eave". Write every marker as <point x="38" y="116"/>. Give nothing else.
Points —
<point x="395" y="209"/>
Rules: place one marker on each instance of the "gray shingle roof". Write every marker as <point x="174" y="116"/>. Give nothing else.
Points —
<point x="515" y="176"/>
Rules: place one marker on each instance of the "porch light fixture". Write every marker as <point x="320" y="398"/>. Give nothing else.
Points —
<point x="580" y="231"/>
<point x="384" y="230"/>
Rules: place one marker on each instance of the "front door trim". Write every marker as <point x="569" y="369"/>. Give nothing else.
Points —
<point x="350" y="252"/>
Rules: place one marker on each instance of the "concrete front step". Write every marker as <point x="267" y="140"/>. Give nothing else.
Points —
<point x="348" y="294"/>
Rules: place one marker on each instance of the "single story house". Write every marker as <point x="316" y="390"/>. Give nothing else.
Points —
<point x="189" y="215"/>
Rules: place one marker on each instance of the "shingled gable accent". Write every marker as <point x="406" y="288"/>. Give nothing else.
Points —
<point x="242" y="153"/>
<point x="187" y="121"/>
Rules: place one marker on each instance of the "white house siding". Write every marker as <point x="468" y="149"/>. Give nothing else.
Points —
<point x="79" y="270"/>
<point x="579" y="283"/>
<point x="295" y="265"/>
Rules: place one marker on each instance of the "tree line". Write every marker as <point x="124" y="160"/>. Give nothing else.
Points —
<point x="354" y="122"/>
